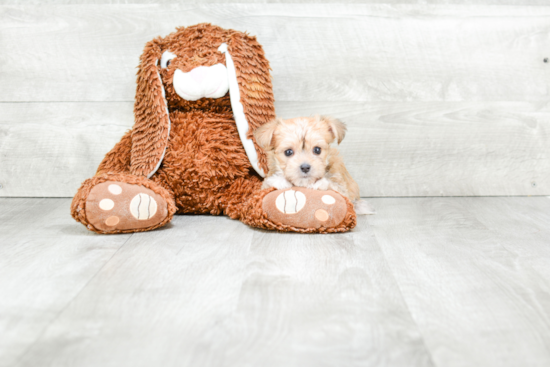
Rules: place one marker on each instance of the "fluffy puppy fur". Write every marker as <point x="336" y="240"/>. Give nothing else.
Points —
<point x="299" y="153"/>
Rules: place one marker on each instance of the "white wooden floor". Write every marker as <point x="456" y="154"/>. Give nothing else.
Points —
<point x="425" y="282"/>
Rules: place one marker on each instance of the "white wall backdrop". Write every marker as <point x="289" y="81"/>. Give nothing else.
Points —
<point x="447" y="99"/>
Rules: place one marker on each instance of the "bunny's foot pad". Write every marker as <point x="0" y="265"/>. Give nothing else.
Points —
<point x="305" y="208"/>
<point x="118" y="206"/>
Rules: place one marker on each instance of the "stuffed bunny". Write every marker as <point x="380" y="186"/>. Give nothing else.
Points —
<point x="201" y="92"/>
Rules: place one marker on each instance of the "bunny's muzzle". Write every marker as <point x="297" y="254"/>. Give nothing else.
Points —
<point x="201" y="82"/>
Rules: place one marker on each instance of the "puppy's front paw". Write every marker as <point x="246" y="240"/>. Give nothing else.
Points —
<point x="363" y="208"/>
<point x="276" y="181"/>
<point x="322" y="184"/>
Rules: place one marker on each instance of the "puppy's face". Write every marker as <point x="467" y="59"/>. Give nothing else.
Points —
<point x="299" y="148"/>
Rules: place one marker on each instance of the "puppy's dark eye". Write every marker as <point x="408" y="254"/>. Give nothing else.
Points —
<point x="289" y="152"/>
<point x="317" y="150"/>
<point x="168" y="63"/>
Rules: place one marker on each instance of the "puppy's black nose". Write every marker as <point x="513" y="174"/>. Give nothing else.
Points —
<point x="305" y="167"/>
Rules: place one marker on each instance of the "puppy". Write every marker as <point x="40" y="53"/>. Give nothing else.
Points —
<point x="299" y="153"/>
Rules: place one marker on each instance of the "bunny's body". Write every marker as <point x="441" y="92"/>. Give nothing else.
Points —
<point x="201" y="92"/>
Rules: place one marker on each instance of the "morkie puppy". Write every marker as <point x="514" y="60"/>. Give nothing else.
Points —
<point x="299" y="153"/>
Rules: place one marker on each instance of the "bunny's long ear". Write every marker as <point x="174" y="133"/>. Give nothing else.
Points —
<point x="251" y="92"/>
<point x="152" y="122"/>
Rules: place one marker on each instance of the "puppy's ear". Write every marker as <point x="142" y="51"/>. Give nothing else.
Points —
<point x="336" y="127"/>
<point x="264" y="134"/>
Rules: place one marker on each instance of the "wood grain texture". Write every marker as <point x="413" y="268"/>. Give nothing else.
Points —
<point x="46" y="259"/>
<point x="48" y="149"/>
<point x="475" y="292"/>
<point x="391" y="149"/>
<point x="389" y="2"/>
<point x="344" y="52"/>
<point x="209" y="291"/>
<point x="525" y="234"/>
<point x="424" y="282"/>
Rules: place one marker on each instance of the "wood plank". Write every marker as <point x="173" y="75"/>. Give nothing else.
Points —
<point x="525" y="234"/>
<point x="476" y="302"/>
<point x="46" y="259"/>
<point x="392" y="149"/>
<point x="344" y="52"/>
<point x="389" y="2"/>
<point x="210" y="291"/>
<point x="48" y="149"/>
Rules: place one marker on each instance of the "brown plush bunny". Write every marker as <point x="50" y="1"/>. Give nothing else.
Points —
<point x="201" y="91"/>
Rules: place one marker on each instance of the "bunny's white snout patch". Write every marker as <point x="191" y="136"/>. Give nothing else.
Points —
<point x="201" y="82"/>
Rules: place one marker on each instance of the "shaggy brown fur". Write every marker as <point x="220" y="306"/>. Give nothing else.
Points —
<point x="205" y="168"/>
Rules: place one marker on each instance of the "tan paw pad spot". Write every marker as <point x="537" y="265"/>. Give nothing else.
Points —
<point x="327" y="199"/>
<point x="290" y="202"/>
<point x="106" y="204"/>
<point x="112" y="221"/>
<point x="115" y="189"/>
<point x="143" y="207"/>
<point x="321" y="215"/>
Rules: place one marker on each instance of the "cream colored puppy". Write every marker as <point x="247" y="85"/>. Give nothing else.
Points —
<point x="299" y="153"/>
